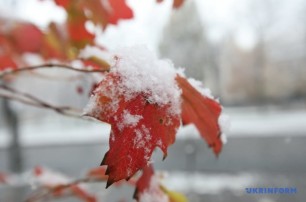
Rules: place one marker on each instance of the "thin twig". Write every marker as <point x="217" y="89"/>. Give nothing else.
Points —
<point x="50" y="190"/>
<point x="34" y="101"/>
<point x="49" y="66"/>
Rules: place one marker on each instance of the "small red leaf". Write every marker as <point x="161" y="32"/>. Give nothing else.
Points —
<point x="77" y="30"/>
<point x="38" y="171"/>
<point x="119" y="11"/>
<point x="27" y="38"/>
<point x="143" y="182"/>
<point x="6" y="62"/>
<point x="3" y="178"/>
<point x="203" y="112"/>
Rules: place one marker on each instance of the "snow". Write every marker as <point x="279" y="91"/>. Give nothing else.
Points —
<point x="93" y="51"/>
<point x="129" y="120"/>
<point x="143" y="72"/>
<point x="154" y="193"/>
<point x="142" y="138"/>
<point x="135" y="71"/>
<point x="198" y="85"/>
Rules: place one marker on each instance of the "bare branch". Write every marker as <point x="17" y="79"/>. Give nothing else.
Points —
<point x="49" y="191"/>
<point x="28" y="99"/>
<point x="49" y="66"/>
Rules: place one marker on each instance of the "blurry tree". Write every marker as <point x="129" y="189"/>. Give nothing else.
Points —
<point x="186" y="31"/>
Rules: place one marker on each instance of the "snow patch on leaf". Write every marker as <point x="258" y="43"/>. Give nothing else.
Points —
<point x="129" y="120"/>
<point x="198" y="85"/>
<point x="142" y="72"/>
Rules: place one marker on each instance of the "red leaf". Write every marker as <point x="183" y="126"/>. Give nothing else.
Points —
<point x="131" y="145"/>
<point x="63" y="3"/>
<point x="27" y="38"/>
<point x="6" y="62"/>
<point x="3" y="178"/>
<point x="119" y="11"/>
<point x="38" y="171"/>
<point x="143" y="182"/>
<point x="77" y="30"/>
<point x="203" y="112"/>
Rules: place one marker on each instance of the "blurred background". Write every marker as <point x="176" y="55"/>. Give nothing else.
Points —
<point x="250" y="53"/>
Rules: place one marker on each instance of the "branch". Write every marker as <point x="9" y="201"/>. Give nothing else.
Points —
<point x="50" y="191"/>
<point x="28" y="99"/>
<point x="49" y="66"/>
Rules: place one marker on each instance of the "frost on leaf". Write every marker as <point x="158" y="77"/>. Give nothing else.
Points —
<point x="141" y="100"/>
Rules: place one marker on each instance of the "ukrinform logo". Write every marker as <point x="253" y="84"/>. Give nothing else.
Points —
<point x="271" y="190"/>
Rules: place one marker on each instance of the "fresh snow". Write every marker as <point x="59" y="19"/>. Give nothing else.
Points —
<point x="141" y="72"/>
<point x="129" y="120"/>
<point x="198" y="85"/>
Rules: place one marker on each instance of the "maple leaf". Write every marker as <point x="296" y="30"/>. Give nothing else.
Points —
<point x="203" y="112"/>
<point x="138" y="127"/>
